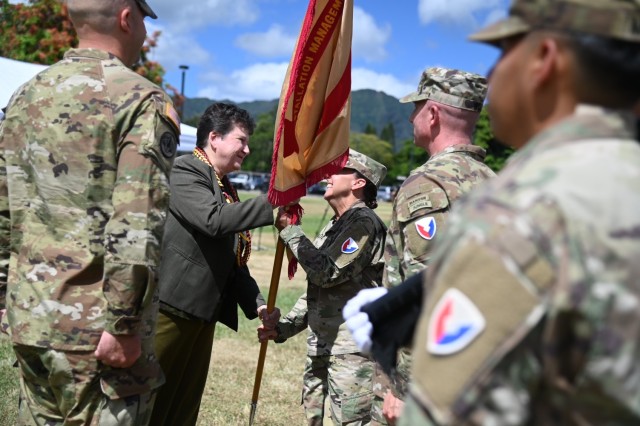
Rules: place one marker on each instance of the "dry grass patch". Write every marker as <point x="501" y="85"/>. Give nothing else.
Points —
<point x="227" y="396"/>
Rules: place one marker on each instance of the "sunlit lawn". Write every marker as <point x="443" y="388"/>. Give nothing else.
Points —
<point x="227" y="396"/>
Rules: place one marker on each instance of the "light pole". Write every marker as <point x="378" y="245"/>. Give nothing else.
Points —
<point x="184" y="69"/>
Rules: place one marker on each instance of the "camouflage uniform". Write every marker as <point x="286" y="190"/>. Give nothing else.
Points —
<point x="86" y="148"/>
<point x="336" y="274"/>
<point x="536" y="280"/>
<point x="423" y="202"/>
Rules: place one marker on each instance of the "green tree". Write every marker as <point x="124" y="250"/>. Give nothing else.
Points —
<point x="38" y="32"/>
<point x="497" y="153"/>
<point x="370" y="129"/>
<point x="406" y="159"/>
<point x="388" y="133"/>
<point x="192" y="121"/>
<point x="261" y="144"/>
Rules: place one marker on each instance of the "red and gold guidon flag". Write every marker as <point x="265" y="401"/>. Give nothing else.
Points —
<point x="311" y="139"/>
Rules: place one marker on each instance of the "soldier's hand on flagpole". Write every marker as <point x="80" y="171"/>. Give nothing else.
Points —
<point x="265" y="334"/>
<point x="283" y="219"/>
<point x="269" y="320"/>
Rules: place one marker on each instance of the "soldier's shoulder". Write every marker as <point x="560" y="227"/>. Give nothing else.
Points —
<point x="417" y="183"/>
<point x="130" y="90"/>
<point x="419" y="194"/>
<point x="370" y="215"/>
<point x="35" y="84"/>
<point x="127" y="79"/>
<point x="448" y="160"/>
<point x="417" y="177"/>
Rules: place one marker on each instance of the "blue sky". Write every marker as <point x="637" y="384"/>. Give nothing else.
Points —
<point x="239" y="49"/>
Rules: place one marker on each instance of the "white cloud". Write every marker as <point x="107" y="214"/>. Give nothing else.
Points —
<point x="190" y="14"/>
<point x="270" y="44"/>
<point x="264" y="82"/>
<point x="174" y="49"/>
<point x="256" y="82"/>
<point x="461" y="12"/>
<point x="369" y="38"/>
<point x="494" y="16"/>
<point x="362" y="78"/>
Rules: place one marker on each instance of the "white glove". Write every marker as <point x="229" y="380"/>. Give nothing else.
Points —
<point x="360" y="329"/>
<point x="365" y="296"/>
<point x="357" y="321"/>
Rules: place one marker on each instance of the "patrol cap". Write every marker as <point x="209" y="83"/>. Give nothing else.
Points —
<point x="373" y="171"/>
<point x="618" y="19"/>
<point x="147" y="9"/>
<point x="451" y="87"/>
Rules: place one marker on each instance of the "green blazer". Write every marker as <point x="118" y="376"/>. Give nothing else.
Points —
<point x="198" y="271"/>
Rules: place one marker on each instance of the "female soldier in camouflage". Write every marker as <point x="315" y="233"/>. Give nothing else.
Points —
<point x="344" y="259"/>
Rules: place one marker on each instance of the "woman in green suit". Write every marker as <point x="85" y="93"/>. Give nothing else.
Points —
<point x="203" y="273"/>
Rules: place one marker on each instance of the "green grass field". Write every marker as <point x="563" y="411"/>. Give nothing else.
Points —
<point x="229" y="387"/>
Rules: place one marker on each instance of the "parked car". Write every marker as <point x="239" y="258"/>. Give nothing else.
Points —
<point x="263" y="186"/>
<point x="255" y="182"/>
<point x="386" y="193"/>
<point x="248" y="181"/>
<point x="317" y="188"/>
<point x="240" y="180"/>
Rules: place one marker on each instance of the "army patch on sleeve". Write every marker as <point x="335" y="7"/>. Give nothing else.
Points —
<point x="426" y="227"/>
<point x="349" y="246"/>
<point x="168" y="144"/>
<point x="454" y="323"/>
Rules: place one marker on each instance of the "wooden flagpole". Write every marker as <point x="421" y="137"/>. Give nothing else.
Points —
<point x="271" y="302"/>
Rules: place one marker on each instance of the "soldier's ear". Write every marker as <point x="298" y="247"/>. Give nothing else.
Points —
<point x="358" y="183"/>
<point x="434" y="114"/>
<point x="124" y="17"/>
<point x="549" y="61"/>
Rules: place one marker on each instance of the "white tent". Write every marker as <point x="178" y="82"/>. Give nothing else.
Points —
<point x="187" y="138"/>
<point x="14" y="73"/>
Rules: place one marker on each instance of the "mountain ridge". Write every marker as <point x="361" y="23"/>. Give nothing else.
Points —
<point x="368" y="108"/>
